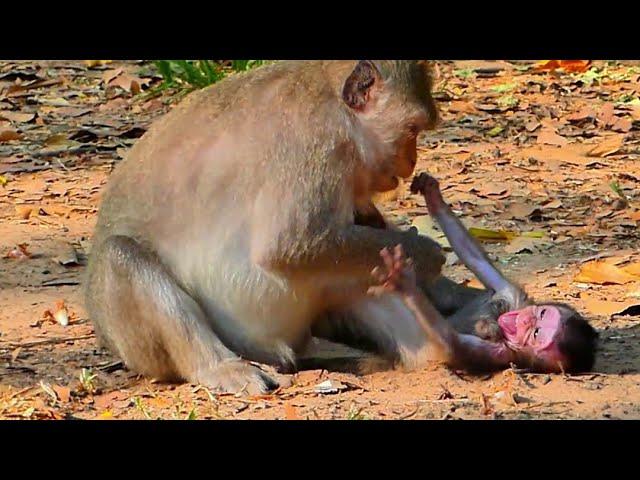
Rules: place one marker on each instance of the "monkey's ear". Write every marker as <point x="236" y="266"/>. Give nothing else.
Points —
<point x="358" y="85"/>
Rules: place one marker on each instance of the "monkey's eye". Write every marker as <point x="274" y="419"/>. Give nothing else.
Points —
<point x="535" y="332"/>
<point x="542" y="312"/>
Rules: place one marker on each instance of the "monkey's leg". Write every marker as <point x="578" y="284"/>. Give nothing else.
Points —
<point x="384" y="326"/>
<point x="157" y="329"/>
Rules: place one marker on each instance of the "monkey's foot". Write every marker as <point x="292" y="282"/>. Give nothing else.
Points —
<point x="240" y="378"/>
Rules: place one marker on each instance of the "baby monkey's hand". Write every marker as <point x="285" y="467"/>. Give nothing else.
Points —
<point x="399" y="277"/>
<point x="430" y="188"/>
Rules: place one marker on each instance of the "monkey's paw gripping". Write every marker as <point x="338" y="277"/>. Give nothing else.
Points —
<point x="239" y="378"/>
<point x="430" y="188"/>
<point x="399" y="275"/>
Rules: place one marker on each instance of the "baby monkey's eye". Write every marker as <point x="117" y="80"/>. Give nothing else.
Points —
<point x="542" y="312"/>
<point x="535" y="332"/>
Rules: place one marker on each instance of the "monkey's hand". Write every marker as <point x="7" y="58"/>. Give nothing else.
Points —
<point x="430" y="188"/>
<point x="488" y="330"/>
<point x="399" y="277"/>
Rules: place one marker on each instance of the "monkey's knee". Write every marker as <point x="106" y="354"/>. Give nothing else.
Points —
<point x="144" y="316"/>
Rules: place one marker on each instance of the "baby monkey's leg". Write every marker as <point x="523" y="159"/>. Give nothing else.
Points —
<point x="458" y="350"/>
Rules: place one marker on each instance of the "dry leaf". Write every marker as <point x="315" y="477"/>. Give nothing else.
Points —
<point x="20" y="252"/>
<point x="603" y="273"/>
<point x="63" y="393"/>
<point x="15" y="354"/>
<point x="290" y="412"/>
<point x="573" y="66"/>
<point x="606" y="115"/>
<point x="549" y="137"/>
<point x="462" y="107"/>
<point x="521" y="244"/>
<point x="608" y="147"/>
<point x="489" y="188"/>
<point x="583" y="114"/>
<point x="606" y="307"/>
<point x="633" y="269"/>
<point x="61" y="314"/>
<point x="109" y="75"/>
<point x="486" y="234"/>
<point x="17" y="116"/>
<point x="8" y="135"/>
<point x="622" y="125"/>
<point x="96" y="63"/>
<point x="129" y="83"/>
<point x="24" y="211"/>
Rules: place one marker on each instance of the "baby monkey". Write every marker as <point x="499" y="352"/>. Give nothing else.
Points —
<point x="543" y="337"/>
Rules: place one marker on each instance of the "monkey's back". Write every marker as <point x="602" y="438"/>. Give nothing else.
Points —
<point x="187" y="192"/>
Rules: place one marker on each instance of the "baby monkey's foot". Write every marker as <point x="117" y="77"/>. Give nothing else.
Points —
<point x="430" y="188"/>
<point x="397" y="275"/>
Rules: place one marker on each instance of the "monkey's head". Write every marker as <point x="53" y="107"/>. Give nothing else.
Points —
<point x="392" y="101"/>
<point x="550" y="337"/>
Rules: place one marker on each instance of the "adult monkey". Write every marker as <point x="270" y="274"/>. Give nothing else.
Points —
<point x="229" y="230"/>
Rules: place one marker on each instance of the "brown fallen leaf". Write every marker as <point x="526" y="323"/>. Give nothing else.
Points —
<point x="549" y="137"/>
<point x="96" y="63"/>
<point x="129" y="83"/>
<point x="109" y="75"/>
<point x="63" y="393"/>
<point x="67" y="255"/>
<point x="15" y="354"/>
<point x="24" y="211"/>
<point x="606" y="307"/>
<point x="574" y="66"/>
<point x="583" y="114"/>
<point x="462" y="107"/>
<point x="20" y="252"/>
<point x="608" y="147"/>
<point x="606" y="115"/>
<point x="632" y="269"/>
<point x="17" y="117"/>
<point x="61" y="314"/>
<point x="521" y="211"/>
<point x="622" y="125"/>
<point x="489" y="188"/>
<point x="106" y="400"/>
<point x="8" y="135"/>
<point x="603" y="273"/>
<point x="522" y="244"/>
<point x="553" y="204"/>
<point x="290" y="412"/>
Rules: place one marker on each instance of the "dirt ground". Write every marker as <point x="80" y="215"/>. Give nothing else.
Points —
<point x="549" y="156"/>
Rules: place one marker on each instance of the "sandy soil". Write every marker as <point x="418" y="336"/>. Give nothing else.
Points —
<point x="511" y="180"/>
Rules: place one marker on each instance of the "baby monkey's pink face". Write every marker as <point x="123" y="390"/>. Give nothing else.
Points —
<point x="533" y="330"/>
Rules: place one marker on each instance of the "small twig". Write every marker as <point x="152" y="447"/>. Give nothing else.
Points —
<point x="49" y="341"/>
<point x="449" y="400"/>
<point x="409" y="415"/>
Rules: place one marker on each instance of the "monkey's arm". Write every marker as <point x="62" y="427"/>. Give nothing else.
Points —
<point x="463" y="244"/>
<point x="350" y="249"/>
<point x="455" y="349"/>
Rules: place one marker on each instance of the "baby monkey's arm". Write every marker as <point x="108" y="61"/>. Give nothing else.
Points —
<point x="457" y="350"/>
<point x="463" y="244"/>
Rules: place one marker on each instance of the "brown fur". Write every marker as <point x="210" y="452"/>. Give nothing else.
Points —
<point x="229" y="229"/>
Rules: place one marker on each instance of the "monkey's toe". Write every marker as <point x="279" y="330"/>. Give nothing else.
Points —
<point x="240" y="378"/>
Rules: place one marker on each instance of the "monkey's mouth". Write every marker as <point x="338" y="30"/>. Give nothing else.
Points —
<point x="507" y="322"/>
